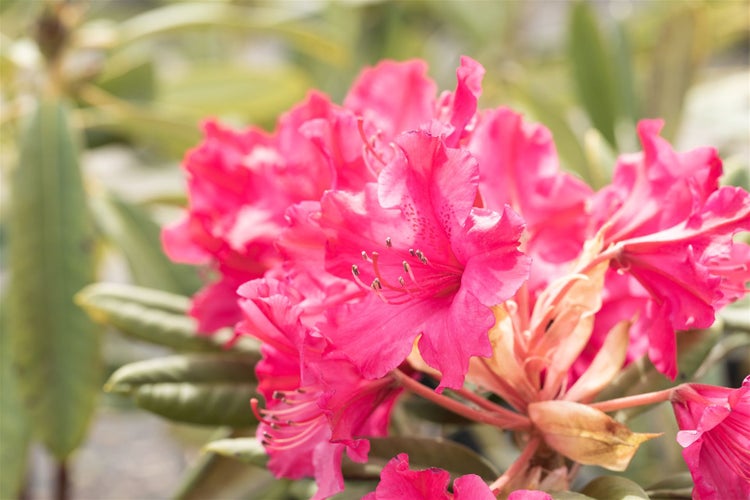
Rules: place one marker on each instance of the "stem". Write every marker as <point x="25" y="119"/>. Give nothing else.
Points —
<point x="62" y="482"/>
<point x="504" y="420"/>
<point x="520" y="464"/>
<point x="629" y="401"/>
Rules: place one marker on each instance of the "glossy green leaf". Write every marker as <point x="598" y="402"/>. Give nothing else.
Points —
<point x="55" y="346"/>
<point x="137" y="236"/>
<point x="15" y="434"/>
<point x="153" y="316"/>
<point x="593" y="73"/>
<point x="568" y="495"/>
<point x="614" y="488"/>
<point x="207" y="389"/>
<point x="431" y="412"/>
<point x="247" y="450"/>
<point x="432" y="452"/>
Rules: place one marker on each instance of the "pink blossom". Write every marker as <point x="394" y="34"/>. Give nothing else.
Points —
<point x="429" y="263"/>
<point x="518" y="166"/>
<point x="672" y="228"/>
<point x="240" y="184"/>
<point x="317" y="404"/>
<point x="398" y="482"/>
<point x="715" y="435"/>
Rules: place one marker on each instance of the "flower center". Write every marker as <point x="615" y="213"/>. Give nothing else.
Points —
<point x="399" y="276"/>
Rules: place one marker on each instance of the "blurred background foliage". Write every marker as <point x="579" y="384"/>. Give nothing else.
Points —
<point x="100" y="99"/>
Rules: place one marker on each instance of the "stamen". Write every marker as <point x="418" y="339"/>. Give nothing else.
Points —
<point x="364" y="256"/>
<point x="278" y="395"/>
<point x="355" y="270"/>
<point x="407" y="268"/>
<point x="421" y="256"/>
<point x="401" y="281"/>
<point x="411" y="252"/>
<point x="388" y="242"/>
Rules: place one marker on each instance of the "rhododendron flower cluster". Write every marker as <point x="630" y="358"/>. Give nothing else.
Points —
<point x="407" y="240"/>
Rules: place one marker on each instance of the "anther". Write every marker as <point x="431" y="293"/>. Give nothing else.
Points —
<point x="401" y="281"/>
<point x="376" y="285"/>
<point x="364" y="256"/>
<point x="412" y="253"/>
<point x="355" y="270"/>
<point x="421" y="256"/>
<point x="277" y="395"/>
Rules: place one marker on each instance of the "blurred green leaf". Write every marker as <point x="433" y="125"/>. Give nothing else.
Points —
<point x="191" y="15"/>
<point x="593" y="73"/>
<point x="568" y="495"/>
<point x="678" y="52"/>
<point x="137" y="236"/>
<point x="430" y="452"/>
<point x="54" y="345"/>
<point x="154" y="316"/>
<point x="258" y="95"/>
<point x="614" y="488"/>
<point x="206" y="389"/>
<point x="427" y="410"/>
<point x="15" y="434"/>
<point x="247" y="450"/>
<point x="133" y="82"/>
<point x="675" y="487"/>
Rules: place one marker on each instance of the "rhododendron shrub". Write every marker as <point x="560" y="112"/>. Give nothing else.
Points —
<point x="408" y="241"/>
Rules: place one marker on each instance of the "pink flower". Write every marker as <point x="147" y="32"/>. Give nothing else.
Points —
<point x="428" y="261"/>
<point x="672" y="229"/>
<point x="240" y="184"/>
<point x="398" y="482"/>
<point x="518" y="166"/>
<point x="317" y="404"/>
<point x="715" y="435"/>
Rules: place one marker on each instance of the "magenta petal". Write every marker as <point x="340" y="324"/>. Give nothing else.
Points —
<point x="394" y="96"/>
<point x="472" y="487"/>
<point x="397" y="482"/>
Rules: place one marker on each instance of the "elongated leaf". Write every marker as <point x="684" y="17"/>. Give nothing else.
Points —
<point x="138" y="237"/>
<point x="678" y="53"/>
<point x="14" y="430"/>
<point x="258" y="95"/>
<point x="427" y="452"/>
<point x="54" y="345"/>
<point x="154" y="316"/>
<point x="208" y="389"/>
<point x="676" y="486"/>
<point x="614" y="488"/>
<point x="593" y="73"/>
<point x="247" y="450"/>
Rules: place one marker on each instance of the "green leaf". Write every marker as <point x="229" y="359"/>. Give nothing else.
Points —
<point x="614" y="488"/>
<point x="593" y="73"/>
<point x="247" y="450"/>
<point x="676" y="486"/>
<point x="55" y="347"/>
<point x="677" y="55"/>
<point x="153" y="316"/>
<point x="135" y="81"/>
<point x="15" y="434"/>
<point x="428" y="452"/>
<point x="134" y="233"/>
<point x="207" y="389"/>
<point x="257" y="95"/>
